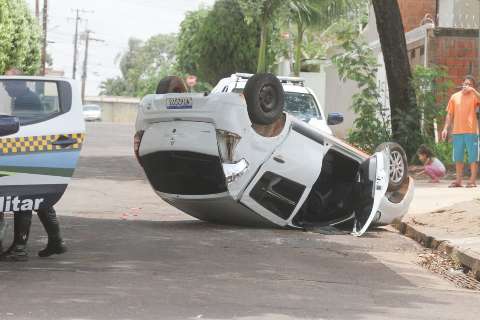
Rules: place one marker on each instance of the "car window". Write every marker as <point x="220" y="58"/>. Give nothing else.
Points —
<point x="29" y="100"/>
<point x="302" y="106"/>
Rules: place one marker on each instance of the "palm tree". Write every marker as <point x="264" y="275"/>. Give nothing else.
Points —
<point x="264" y="11"/>
<point x="319" y="14"/>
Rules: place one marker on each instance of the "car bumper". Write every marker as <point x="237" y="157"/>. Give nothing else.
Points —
<point x="92" y="118"/>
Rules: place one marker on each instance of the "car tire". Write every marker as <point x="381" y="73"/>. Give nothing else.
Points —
<point x="265" y="98"/>
<point x="398" y="165"/>
<point x="171" y="84"/>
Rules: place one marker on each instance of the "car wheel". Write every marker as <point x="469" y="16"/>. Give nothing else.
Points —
<point x="398" y="165"/>
<point x="265" y="98"/>
<point x="171" y="84"/>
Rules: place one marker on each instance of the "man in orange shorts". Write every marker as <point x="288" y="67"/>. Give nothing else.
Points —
<point x="461" y="110"/>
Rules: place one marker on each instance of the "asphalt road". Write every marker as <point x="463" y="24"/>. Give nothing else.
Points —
<point x="133" y="257"/>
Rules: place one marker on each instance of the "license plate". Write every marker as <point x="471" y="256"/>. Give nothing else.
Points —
<point x="179" y="103"/>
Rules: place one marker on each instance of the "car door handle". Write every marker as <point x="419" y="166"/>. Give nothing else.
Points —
<point x="64" y="142"/>
<point x="279" y="159"/>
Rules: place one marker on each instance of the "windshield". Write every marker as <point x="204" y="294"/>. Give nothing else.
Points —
<point x="91" y="108"/>
<point x="300" y="105"/>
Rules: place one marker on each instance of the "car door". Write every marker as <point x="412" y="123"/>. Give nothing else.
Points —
<point x="376" y="184"/>
<point x="38" y="160"/>
<point x="284" y="181"/>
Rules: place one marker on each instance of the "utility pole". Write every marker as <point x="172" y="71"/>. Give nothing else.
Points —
<point x="85" y="60"/>
<point x="75" y="45"/>
<point x="37" y="9"/>
<point x="75" y="40"/>
<point x="44" y="46"/>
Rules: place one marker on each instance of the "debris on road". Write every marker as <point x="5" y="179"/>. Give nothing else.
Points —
<point x="450" y="269"/>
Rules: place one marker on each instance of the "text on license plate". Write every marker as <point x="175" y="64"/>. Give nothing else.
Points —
<point x="180" y="103"/>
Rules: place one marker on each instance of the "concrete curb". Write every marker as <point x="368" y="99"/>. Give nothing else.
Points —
<point x="464" y="256"/>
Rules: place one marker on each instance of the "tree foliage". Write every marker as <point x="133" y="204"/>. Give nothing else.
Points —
<point x="358" y="63"/>
<point x="142" y="66"/>
<point x="432" y="90"/>
<point x="20" y="37"/>
<point x="319" y="15"/>
<point x="216" y="43"/>
<point x="265" y="12"/>
<point x="188" y="50"/>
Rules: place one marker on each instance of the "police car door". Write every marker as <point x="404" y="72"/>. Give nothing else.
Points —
<point x="41" y="134"/>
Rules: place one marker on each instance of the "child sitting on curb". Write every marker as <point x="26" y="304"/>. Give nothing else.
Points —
<point x="433" y="167"/>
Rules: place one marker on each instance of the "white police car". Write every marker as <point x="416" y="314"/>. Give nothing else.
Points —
<point x="299" y="101"/>
<point x="41" y="134"/>
<point x="238" y="158"/>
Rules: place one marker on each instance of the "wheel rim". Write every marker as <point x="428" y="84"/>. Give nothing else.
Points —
<point x="267" y="98"/>
<point x="397" y="167"/>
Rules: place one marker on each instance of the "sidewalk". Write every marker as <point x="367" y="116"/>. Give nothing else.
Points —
<point x="447" y="219"/>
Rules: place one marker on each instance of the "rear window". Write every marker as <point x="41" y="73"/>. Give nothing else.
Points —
<point x="300" y="105"/>
<point x="29" y="100"/>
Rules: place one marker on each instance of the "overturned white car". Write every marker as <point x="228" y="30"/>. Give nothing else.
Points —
<point x="236" y="158"/>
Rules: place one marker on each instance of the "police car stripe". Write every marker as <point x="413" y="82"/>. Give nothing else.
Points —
<point x="31" y="144"/>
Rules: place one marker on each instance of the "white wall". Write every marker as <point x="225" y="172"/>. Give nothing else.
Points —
<point x="338" y="98"/>
<point x="116" y="109"/>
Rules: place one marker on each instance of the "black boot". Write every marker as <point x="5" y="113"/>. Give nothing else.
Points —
<point x="55" y="245"/>
<point x="21" y="230"/>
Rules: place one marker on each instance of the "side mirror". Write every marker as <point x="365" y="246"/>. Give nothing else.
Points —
<point x="334" y="118"/>
<point x="8" y="125"/>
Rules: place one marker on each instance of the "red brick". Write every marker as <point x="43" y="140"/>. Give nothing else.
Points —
<point x="413" y="11"/>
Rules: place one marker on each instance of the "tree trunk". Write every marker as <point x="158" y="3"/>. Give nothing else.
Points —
<point x="298" y="49"/>
<point x="262" y="52"/>
<point x="403" y="105"/>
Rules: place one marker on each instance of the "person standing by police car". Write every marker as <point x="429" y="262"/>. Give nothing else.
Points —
<point x="22" y="219"/>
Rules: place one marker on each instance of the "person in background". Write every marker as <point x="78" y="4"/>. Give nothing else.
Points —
<point x="461" y="112"/>
<point x="432" y="167"/>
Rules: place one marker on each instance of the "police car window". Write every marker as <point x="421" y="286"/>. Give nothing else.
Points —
<point x="31" y="101"/>
<point x="302" y="106"/>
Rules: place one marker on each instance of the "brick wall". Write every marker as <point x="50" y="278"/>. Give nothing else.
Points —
<point x="413" y="11"/>
<point x="457" y="50"/>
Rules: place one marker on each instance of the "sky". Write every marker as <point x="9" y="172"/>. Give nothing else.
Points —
<point x="114" y="22"/>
